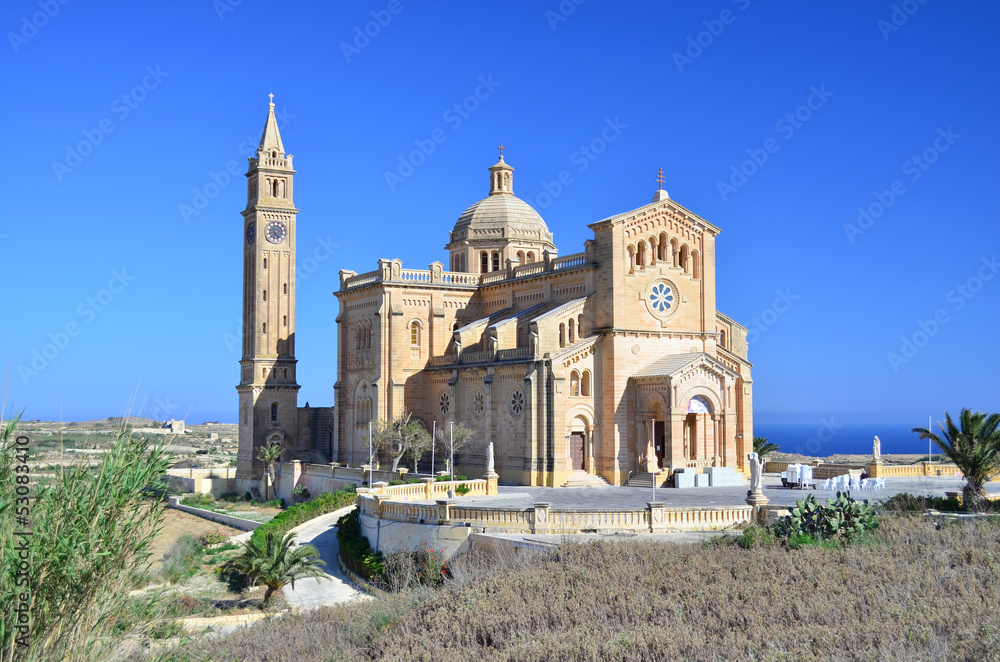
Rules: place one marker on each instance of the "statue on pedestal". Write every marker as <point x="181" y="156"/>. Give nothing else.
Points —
<point x="756" y="473"/>
<point x="489" y="459"/>
<point x="877" y="449"/>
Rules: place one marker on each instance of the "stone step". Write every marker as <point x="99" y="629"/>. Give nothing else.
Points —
<point x="646" y="480"/>
<point x="584" y="479"/>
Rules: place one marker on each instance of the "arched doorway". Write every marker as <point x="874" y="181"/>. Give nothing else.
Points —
<point x="696" y="433"/>
<point x="578" y="444"/>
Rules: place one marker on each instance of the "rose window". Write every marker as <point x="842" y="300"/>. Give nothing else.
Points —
<point x="478" y="404"/>
<point x="516" y="402"/>
<point x="444" y="403"/>
<point x="661" y="297"/>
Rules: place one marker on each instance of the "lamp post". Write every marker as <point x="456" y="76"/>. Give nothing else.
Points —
<point x="371" y="460"/>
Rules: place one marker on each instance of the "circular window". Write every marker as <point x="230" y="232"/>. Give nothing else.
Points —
<point x="516" y="402"/>
<point x="478" y="404"/>
<point x="662" y="299"/>
<point x="444" y="403"/>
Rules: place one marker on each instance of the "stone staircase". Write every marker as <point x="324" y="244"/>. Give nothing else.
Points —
<point x="584" y="479"/>
<point x="646" y="480"/>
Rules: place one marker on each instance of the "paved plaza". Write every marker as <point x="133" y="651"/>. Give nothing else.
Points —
<point x="596" y="498"/>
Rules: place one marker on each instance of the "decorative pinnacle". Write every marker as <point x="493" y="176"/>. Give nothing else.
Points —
<point x="659" y="178"/>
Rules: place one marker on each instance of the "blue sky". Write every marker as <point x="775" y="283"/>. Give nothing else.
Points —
<point x="119" y="116"/>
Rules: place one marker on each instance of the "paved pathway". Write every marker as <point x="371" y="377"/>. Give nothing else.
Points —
<point x="637" y="497"/>
<point x="310" y="593"/>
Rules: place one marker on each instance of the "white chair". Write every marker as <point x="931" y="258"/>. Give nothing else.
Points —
<point x="855" y="483"/>
<point x="880" y="483"/>
<point x="828" y="484"/>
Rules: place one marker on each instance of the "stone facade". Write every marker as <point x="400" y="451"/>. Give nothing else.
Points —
<point x="610" y="361"/>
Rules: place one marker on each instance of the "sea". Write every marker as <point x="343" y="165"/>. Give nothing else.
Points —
<point x="828" y="436"/>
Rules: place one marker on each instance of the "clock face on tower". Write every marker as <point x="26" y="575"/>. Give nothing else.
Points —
<point x="275" y="232"/>
<point x="251" y="232"/>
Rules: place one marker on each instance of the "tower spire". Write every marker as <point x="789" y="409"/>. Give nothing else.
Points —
<point x="270" y="141"/>
<point x="501" y="176"/>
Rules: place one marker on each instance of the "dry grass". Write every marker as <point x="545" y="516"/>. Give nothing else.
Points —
<point x="913" y="593"/>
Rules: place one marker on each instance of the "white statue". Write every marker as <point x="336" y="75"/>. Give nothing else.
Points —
<point x="489" y="459"/>
<point x="756" y="472"/>
<point x="877" y="449"/>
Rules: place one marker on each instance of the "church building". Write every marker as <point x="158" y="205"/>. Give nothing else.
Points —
<point x="607" y="364"/>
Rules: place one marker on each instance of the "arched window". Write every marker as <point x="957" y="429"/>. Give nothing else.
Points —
<point x="661" y="247"/>
<point x="695" y="266"/>
<point x="414" y="334"/>
<point x="274" y="412"/>
<point x="520" y="257"/>
<point x="574" y="383"/>
<point x="265" y="263"/>
<point x="484" y="262"/>
<point x="585" y="383"/>
<point x="683" y="259"/>
<point x="496" y="261"/>
<point x="562" y="335"/>
<point x="263" y="372"/>
<point x="531" y="256"/>
<point x="722" y="338"/>
<point x="265" y="295"/>
<point x="640" y="254"/>
<point x="264" y="327"/>
<point x="572" y="335"/>
<point x="579" y="325"/>
<point x="274" y="189"/>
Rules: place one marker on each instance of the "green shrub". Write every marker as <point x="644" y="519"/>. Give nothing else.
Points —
<point x="356" y="550"/>
<point x="213" y="537"/>
<point x="445" y="479"/>
<point x="326" y="502"/>
<point x="462" y="489"/>
<point x="843" y="520"/>
<point x="273" y="503"/>
<point x="300" y="491"/>
<point x="198" y="500"/>
<point x="754" y="535"/>
<point x="230" y="497"/>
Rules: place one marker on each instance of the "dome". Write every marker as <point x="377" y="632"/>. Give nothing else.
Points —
<point x="501" y="216"/>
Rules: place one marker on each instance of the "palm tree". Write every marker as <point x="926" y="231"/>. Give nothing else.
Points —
<point x="974" y="448"/>
<point x="762" y="447"/>
<point x="269" y="455"/>
<point x="274" y="563"/>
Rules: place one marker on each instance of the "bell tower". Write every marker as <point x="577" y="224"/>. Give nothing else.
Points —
<point x="268" y="390"/>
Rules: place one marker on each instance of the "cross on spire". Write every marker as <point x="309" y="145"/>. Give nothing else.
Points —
<point x="271" y="96"/>
<point x="501" y="151"/>
<point x="659" y="178"/>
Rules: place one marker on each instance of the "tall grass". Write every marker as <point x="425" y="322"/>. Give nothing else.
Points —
<point x="91" y="532"/>
<point x="912" y="593"/>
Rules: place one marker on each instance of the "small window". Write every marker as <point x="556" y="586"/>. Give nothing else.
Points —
<point x="574" y="383"/>
<point x="585" y="383"/>
<point x="520" y="257"/>
<point x="265" y="295"/>
<point x="264" y="328"/>
<point x="496" y="261"/>
<point x="285" y="288"/>
<point x="531" y="256"/>
<point x="284" y="320"/>
<point x="562" y="335"/>
<point x="484" y="262"/>
<point x="414" y="334"/>
<point x="265" y="263"/>
<point x="274" y="412"/>
<point x="572" y="325"/>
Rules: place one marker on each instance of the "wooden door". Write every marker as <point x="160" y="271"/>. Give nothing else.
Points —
<point x="576" y="450"/>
